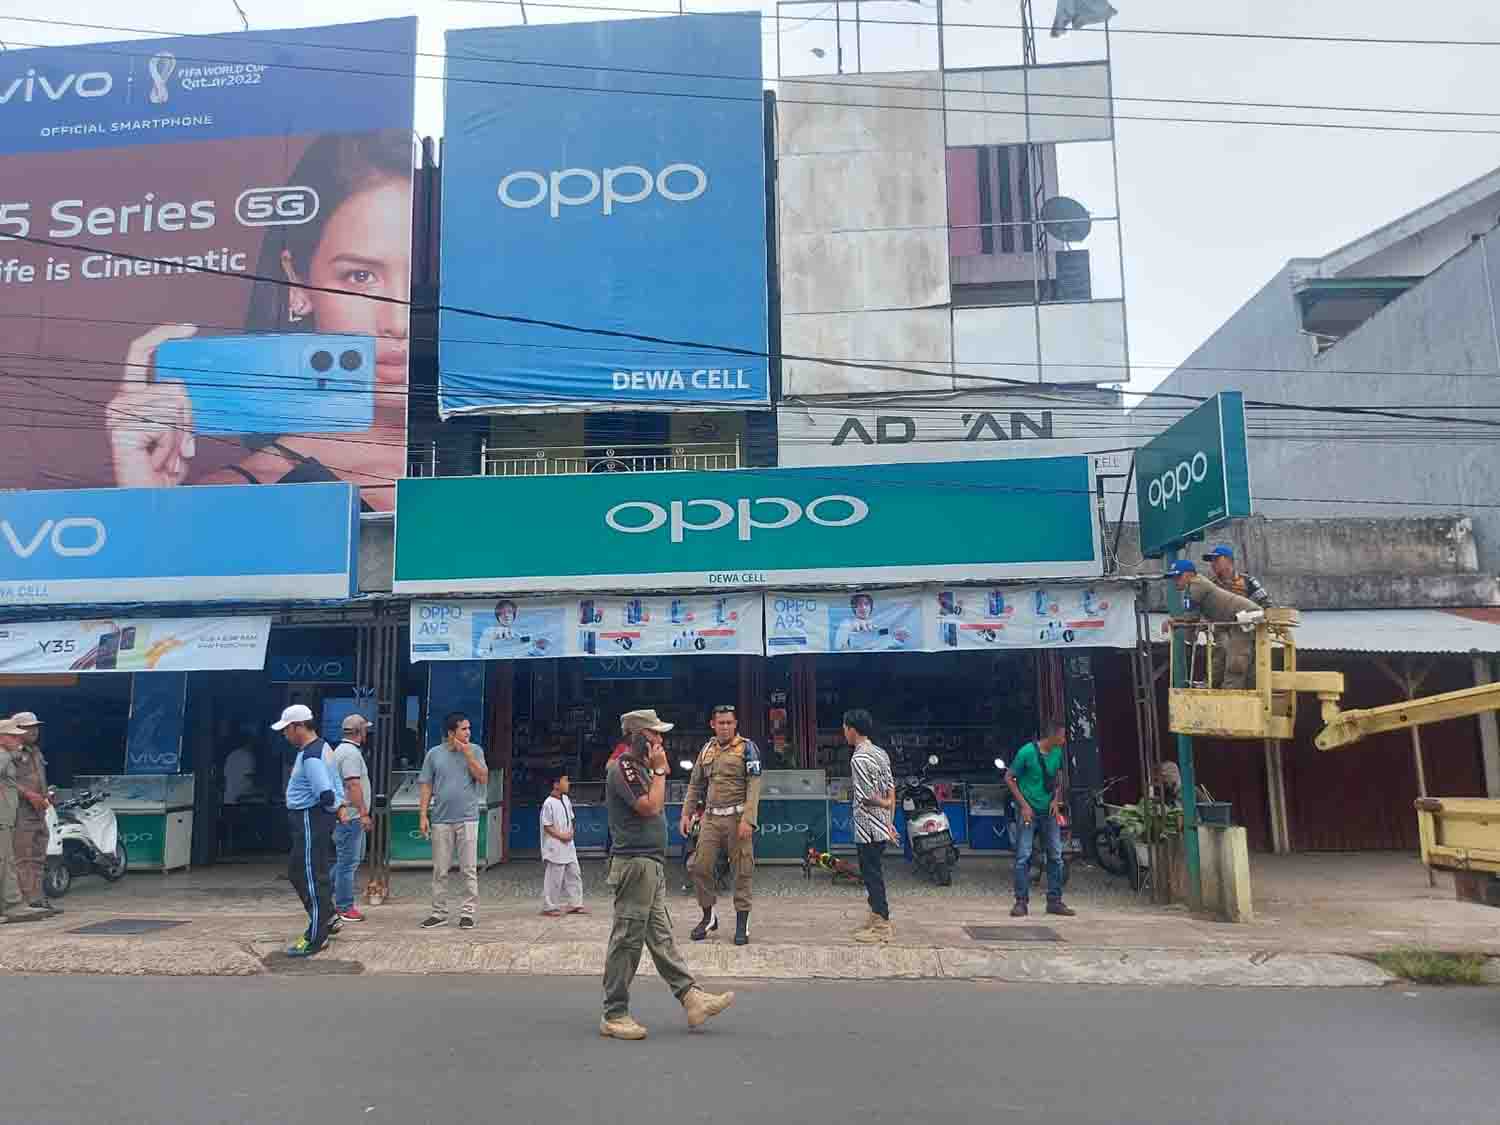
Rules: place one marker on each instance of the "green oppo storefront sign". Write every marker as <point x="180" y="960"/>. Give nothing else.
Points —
<point x="865" y="524"/>
<point x="1193" y="476"/>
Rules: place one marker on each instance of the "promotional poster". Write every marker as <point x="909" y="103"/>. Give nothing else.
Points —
<point x="190" y="644"/>
<point x="598" y="178"/>
<point x="537" y="629"/>
<point x="861" y="621"/>
<point x="174" y="214"/>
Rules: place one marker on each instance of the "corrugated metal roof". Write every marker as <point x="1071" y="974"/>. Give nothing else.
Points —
<point x="1392" y="630"/>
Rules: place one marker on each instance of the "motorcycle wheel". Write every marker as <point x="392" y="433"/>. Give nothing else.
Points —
<point x="119" y="863"/>
<point x="1109" y="850"/>
<point x="56" y="878"/>
<point x="1134" y="870"/>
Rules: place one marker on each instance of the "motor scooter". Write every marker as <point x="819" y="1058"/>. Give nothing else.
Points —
<point x="927" y="830"/>
<point x="83" y="838"/>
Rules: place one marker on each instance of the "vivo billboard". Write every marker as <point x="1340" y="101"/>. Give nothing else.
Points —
<point x="100" y="546"/>
<point x="604" y="182"/>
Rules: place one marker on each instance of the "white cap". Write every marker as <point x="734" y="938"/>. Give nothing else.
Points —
<point x="296" y="713"/>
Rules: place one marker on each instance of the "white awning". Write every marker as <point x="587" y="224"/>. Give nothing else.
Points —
<point x="1391" y="630"/>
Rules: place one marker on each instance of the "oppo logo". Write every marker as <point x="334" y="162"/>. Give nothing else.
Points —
<point x="783" y="829"/>
<point x="576" y="187"/>
<point x="640" y="517"/>
<point x="1173" y="484"/>
<point x="137" y="837"/>
<point x="76" y="537"/>
<point x="90" y="84"/>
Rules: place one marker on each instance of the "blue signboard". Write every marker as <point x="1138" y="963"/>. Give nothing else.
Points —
<point x="222" y="543"/>
<point x="610" y="177"/>
<point x="153" y="738"/>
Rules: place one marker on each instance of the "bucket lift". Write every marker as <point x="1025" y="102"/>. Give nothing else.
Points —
<point x="1268" y="708"/>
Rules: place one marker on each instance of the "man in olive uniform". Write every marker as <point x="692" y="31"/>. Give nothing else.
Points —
<point x="12" y="906"/>
<point x="1214" y="603"/>
<point x="1225" y="575"/>
<point x="31" y="820"/>
<point x="635" y="792"/>
<point x="725" y="787"/>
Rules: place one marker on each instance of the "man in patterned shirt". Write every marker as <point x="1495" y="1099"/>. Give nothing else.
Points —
<point x="872" y="811"/>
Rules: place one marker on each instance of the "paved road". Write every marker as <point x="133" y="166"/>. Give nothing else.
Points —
<point x="404" y="1050"/>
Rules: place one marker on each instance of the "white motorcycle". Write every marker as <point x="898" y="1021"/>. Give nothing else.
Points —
<point x="927" y="830"/>
<point x="83" y="838"/>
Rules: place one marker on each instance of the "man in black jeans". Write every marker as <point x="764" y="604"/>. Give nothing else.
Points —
<point x="871" y="816"/>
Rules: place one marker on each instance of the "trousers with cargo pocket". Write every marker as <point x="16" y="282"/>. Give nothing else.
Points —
<point x="641" y="921"/>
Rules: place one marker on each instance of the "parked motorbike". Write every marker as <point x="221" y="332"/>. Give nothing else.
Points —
<point x="1107" y="845"/>
<point x="83" y="838"/>
<point x="927" y="830"/>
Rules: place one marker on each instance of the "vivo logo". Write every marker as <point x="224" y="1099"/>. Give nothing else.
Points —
<point x="76" y="537"/>
<point x="90" y="84"/>
<point x="276" y="206"/>
<point x="575" y="187"/>
<point x="313" y="669"/>
<point x="1173" y="484"/>
<point x="645" y="517"/>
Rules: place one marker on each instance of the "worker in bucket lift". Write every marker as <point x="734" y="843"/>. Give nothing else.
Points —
<point x="1234" y="649"/>
<point x="1221" y="560"/>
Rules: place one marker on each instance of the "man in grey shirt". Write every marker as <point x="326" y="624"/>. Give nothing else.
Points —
<point x="349" y="835"/>
<point x="451" y="788"/>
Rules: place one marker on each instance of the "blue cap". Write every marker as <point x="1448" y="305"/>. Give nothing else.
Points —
<point x="1222" y="551"/>
<point x="1181" y="566"/>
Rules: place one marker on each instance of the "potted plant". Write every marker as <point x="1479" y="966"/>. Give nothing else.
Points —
<point x="1154" y="826"/>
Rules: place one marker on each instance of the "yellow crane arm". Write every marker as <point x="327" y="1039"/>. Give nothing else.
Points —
<point x="1348" y="727"/>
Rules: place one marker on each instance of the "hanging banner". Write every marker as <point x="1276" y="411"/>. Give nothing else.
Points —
<point x="1033" y="617"/>
<point x="945" y="618"/>
<point x="187" y="644"/>
<point x="540" y="629"/>
<point x="839" y="621"/>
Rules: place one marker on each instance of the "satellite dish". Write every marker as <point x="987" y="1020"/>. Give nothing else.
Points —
<point x="1066" y="219"/>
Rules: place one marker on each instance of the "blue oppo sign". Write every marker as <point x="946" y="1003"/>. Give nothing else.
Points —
<point x="598" y="175"/>
<point x="208" y="543"/>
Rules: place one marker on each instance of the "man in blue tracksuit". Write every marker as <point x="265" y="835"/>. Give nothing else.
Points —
<point x="313" y="808"/>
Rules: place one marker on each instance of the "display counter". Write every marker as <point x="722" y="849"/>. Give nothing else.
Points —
<point x="954" y="797"/>
<point x="410" y="849"/>
<point x="155" y="815"/>
<point x="840" y="815"/>
<point x="793" y="804"/>
<point x="989" y="827"/>
<point x="590" y="820"/>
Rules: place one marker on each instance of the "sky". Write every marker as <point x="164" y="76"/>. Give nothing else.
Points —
<point x="1208" y="212"/>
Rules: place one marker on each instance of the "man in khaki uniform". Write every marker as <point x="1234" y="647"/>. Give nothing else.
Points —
<point x="12" y="906"/>
<point x="1213" y="603"/>
<point x="725" y="788"/>
<point x="31" y="820"/>
<point x="635" y="793"/>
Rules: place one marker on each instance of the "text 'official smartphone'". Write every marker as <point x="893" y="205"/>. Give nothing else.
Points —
<point x="292" y="383"/>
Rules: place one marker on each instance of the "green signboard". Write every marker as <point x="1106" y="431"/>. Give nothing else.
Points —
<point x="1194" y="476"/>
<point x="845" y="525"/>
<point x="784" y="826"/>
<point x="145" y="838"/>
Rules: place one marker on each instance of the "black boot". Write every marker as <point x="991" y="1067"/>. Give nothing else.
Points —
<point x="710" y="922"/>
<point x="742" y="927"/>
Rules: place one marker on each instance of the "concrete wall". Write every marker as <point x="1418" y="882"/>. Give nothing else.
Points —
<point x="377" y="555"/>
<point x="1430" y="562"/>
<point x="1436" y="348"/>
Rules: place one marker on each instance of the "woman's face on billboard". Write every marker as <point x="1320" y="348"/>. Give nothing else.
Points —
<point x="365" y="250"/>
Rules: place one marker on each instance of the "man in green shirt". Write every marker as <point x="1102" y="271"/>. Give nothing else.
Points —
<point x="1038" y="780"/>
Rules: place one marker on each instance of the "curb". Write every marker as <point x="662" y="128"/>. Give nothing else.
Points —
<point x="1019" y="965"/>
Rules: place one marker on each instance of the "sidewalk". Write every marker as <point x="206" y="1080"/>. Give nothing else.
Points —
<point x="1313" y="912"/>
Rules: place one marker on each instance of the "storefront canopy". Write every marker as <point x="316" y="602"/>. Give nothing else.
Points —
<point x="1392" y="630"/>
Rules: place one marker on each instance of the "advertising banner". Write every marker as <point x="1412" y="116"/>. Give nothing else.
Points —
<point x="108" y="545"/>
<point x="1194" y="476"/>
<point x="605" y="178"/>
<point x="752" y="528"/>
<point x="950" y="427"/>
<point x="112" y="644"/>
<point x="205" y="250"/>
<point x="942" y="619"/>
<point x="536" y="629"/>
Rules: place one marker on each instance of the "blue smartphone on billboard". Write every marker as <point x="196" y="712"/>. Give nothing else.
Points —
<point x="291" y="383"/>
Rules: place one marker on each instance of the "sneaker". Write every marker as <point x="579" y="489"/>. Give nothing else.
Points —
<point x="870" y="919"/>
<point x="466" y="922"/>
<point x="703" y="1006"/>
<point x="433" y="921"/>
<point x="621" y="1027"/>
<point x="302" y="948"/>
<point x="336" y="926"/>
<point x="352" y="914"/>
<point x="46" y="904"/>
<point x="1057" y="906"/>
<point x="551" y="913"/>
<point x="880" y="932"/>
<point x="578" y="910"/>
<point x="1019" y="910"/>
